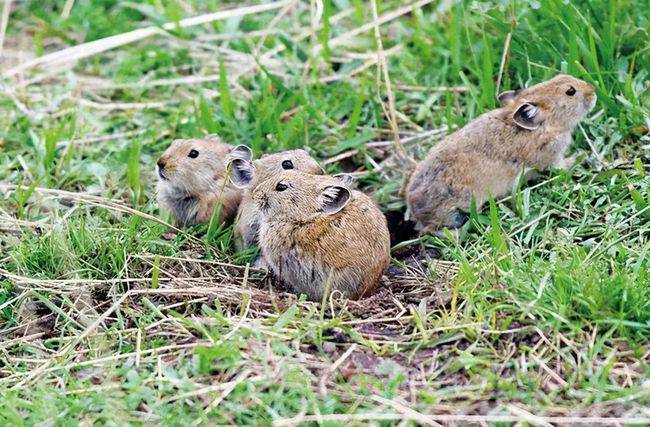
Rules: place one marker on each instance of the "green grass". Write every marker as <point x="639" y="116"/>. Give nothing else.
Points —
<point x="543" y="304"/>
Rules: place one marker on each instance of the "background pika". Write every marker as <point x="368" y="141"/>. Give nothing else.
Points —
<point x="316" y="231"/>
<point x="192" y="181"/>
<point x="531" y="130"/>
<point x="248" y="173"/>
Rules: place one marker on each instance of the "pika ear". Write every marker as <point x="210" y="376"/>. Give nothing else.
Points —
<point x="241" y="172"/>
<point x="345" y="179"/>
<point x="507" y="97"/>
<point x="333" y="199"/>
<point x="528" y="116"/>
<point x="241" y="152"/>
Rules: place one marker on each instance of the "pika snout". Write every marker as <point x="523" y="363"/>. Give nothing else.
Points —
<point x="162" y="162"/>
<point x="590" y="100"/>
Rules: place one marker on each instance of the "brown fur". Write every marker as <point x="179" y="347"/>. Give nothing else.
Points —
<point x="488" y="154"/>
<point x="247" y="224"/>
<point x="308" y="245"/>
<point x="192" y="188"/>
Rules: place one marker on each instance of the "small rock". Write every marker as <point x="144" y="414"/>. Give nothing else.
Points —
<point x="170" y="235"/>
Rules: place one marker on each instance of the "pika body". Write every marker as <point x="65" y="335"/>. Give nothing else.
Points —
<point x="193" y="181"/>
<point x="316" y="234"/>
<point x="532" y="130"/>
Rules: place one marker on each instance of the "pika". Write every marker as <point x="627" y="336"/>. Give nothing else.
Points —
<point x="532" y="130"/>
<point x="247" y="173"/>
<point x="193" y="181"/>
<point x="316" y="233"/>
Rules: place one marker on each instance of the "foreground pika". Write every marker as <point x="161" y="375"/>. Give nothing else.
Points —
<point x="193" y="181"/>
<point x="315" y="231"/>
<point x="531" y="130"/>
<point x="247" y="173"/>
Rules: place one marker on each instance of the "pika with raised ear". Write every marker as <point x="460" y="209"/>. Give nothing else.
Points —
<point x="532" y="130"/>
<point x="247" y="173"/>
<point x="193" y="181"/>
<point x="316" y="233"/>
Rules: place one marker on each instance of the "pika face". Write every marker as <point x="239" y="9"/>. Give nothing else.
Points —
<point x="247" y="173"/>
<point x="561" y="103"/>
<point x="298" y="199"/>
<point x="193" y="165"/>
<point x="192" y="181"/>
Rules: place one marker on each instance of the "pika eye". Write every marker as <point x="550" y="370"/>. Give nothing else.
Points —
<point x="287" y="164"/>
<point x="571" y="91"/>
<point x="281" y="186"/>
<point x="193" y="154"/>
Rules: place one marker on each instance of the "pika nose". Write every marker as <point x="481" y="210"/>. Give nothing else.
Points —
<point x="161" y="163"/>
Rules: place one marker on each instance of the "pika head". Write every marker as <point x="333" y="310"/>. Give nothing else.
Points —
<point x="248" y="173"/>
<point x="192" y="181"/>
<point x="559" y="103"/>
<point x="193" y="166"/>
<point x="300" y="198"/>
